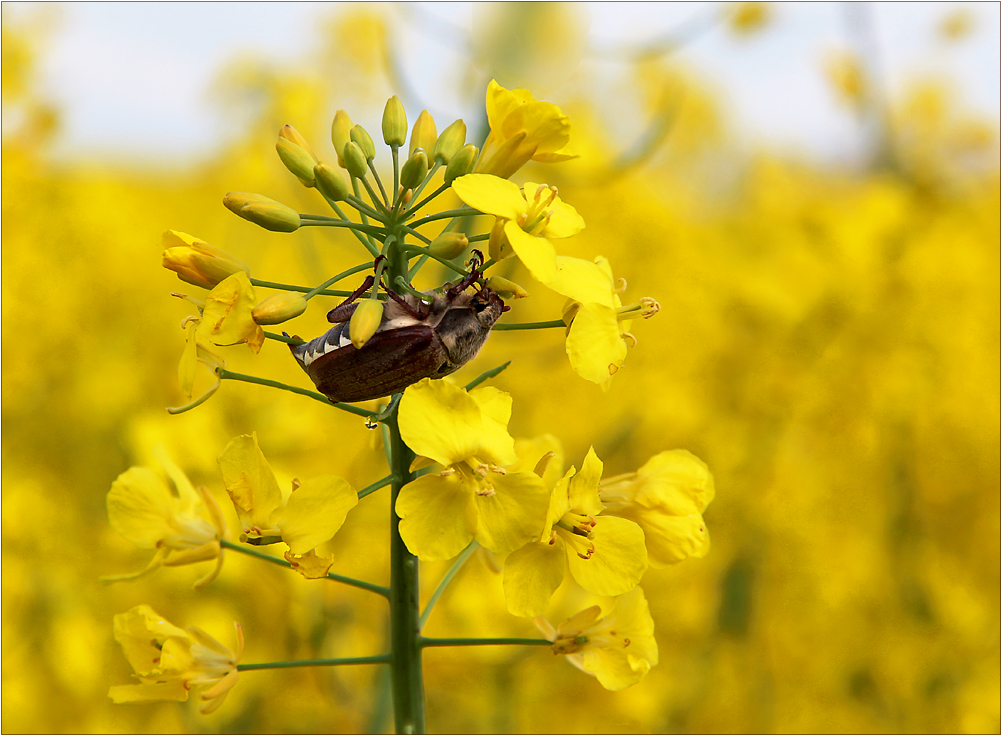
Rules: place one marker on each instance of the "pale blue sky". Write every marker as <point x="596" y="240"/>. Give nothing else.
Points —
<point x="135" y="78"/>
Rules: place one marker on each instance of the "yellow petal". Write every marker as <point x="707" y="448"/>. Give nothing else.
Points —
<point x="532" y="574"/>
<point x="141" y="506"/>
<point x="531" y="451"/>
<point x="554" y="158"/>
<point x="675" y="480"/>
<point x="565" y="220"/>
<point x="148" y="692"/>
<point x="315" y="512"/>
<point x="594" y="346"/>
<point x="545" y="125"/>
<point x="227" y="318"/>
<point x="536" y="253"/>
<point x="513" y="511"/>
<point x="311" y="565"/>
<point x="440" y="421"/>
<point x="496" y="445"/>
<point x="559" y="504"/>
<point x="615" y="669"/>
<point x="491" y="195"/>
<point x="249" y="481"/>
<point x="618" y="562"/>
<point x="633" y="620"/>
<point x="500" y="102"/>
<point x="438" y="518"/>
<point x="670" y="539"/>
<point x="139" y="631"/>
<point x="583" y="281"/>
<point x="583" y="490"/>
<point x="186" y="492"/>
<point x="189" y="362"/>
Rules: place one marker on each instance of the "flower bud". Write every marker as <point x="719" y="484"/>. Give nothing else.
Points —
<point x="294" y="136"/>
<point x="498" y="247"/>
<point x="394" y="123"/>
<point x="279" y="308"/>
<point x="414" y="170"/>
<point x="507" y="289"/>
<point x="365" y="141"/>
<point x="423" y="134"/>
<point x="198" y="263"/>
<point x="450" y="141"/>
<point x="297" y="160"/>
<point x="462" y="163"/>
<point x="330" y="183"/>
<point x="449" y="245"/>
<point x="355" y="160"/>
<point x="267" y="213"/>
<point x="365" y="320"/>
<point x="341" y="128"/>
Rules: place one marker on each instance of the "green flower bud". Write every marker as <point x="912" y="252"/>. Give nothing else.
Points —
<point x="267" y="213"/>
<point x="365" y="320"/>
<point x="365" y="141"/>
<point x="355" y="160"/>
<point x="449" y="245"/>
<point x="450" y="141"/>
<point x="506" y="289"/>
<point x="462" y="163"/>
<point x="330" y="183"/>
<point x="279" y="308"/>
<point x="341" y="129"/>
<point x="423" y="133"/>
<point x="394" y="122"/>
<point x="294" y="136"/>
<point x="297" y="160"/>
<point x="414" y="170"/>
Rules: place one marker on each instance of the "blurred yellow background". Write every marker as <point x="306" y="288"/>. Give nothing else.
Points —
<point x="828" y="343"/>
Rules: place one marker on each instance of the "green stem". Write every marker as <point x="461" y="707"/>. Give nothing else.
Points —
<point x="405" y="630"/>
<point x="432" y="196"/>
<point x="365" y="585"/>
<point x="467" y="552"/>
<point x="397" y="171"/>
<point x="379" y="183"/>
<point x="367" y="229"/>
<point x="365" y="660"/>
<point x="417" y="267"/>
<point x="417" y="235"/>
<point x="461" y="212"/>
<point x="224" y="374"/>
<point x="336" y="278"/>
<point x="479" y="237"/>
<point x="284" y="338"/>
<point x="426" y="254"/>
<point x="377" y="485"/>
<point x="528" y="325"/>
<point x="297" y="288"/>
<point x="361" y="206"/>
<point x="465" y="641"/>
<point x="489" y="374"/>
<point x="361" y="238"/>
<point x="382" y="209"/>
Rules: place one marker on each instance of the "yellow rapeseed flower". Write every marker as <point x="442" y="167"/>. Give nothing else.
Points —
<point x="311" y="516"/>
<point x="605" y="555"/>
<point x="227" y="318"/>
<point x="170" y="661"/>
<point x="522" y="128"/>
<point x="196" y="354"/>
<point x="473" y="497"/>
<point x="618" y="649"/>
<point x="198" y="263"/>
<point x="666" y="497"/>
<point x="183" y="527"/>
<point x="527" y="216"/>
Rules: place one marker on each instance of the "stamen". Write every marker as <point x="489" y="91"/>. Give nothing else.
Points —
<point x="622" y="286"/>
<point x="486" y="491"/>
<point x="613" y="368"/>
<point x="631" y="338"/>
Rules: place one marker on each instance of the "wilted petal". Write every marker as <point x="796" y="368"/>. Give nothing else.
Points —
<point x="249" y="481"/>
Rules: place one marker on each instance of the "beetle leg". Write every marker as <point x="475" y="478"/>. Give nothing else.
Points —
<point x="417" y="314"/>
<point x="344" y="311"/>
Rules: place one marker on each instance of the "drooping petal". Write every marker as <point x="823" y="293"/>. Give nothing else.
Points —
<point x="675" y="479"/>
<point x="532" y="575"/>
<point x="440" y="421"/>
<point x="226" y="319"/>
<point x="140" y="507"/>
<point x="496" y="445"/>
<point x="315" y="512"/>
<point x="490" y="194"/>
<point x="189" y="362"/>
<point x="186" y="492"/>
<point x="140" y="631"/>
<point x="633" y="620"/>
<point x="545" y="125"/>
<point x="668" y="538"/>
<point x="618" y="562"/>
<point x="249" y="481"/>
<point x="536" y="253"/>
<point x="583" y="281"/>
<point x="500" y="102"/>
<point x="594" y="346"/>
<point x="310" y="565"/>
<point x="438" y="518"/>
<point x="511" y="511"/>
<point x="583" y="490"/>
<point x="555" y="157"/>
<point x="615" y="669"/>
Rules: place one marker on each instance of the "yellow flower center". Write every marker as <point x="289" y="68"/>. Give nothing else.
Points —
<point x="536" y="218"/>
<point x="576" y="531"/>
<point x="645" y="307"/>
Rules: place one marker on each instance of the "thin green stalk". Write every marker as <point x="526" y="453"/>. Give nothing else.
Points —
<point x="284" y="338"/>
<point x="458" y="213"/>
<point x="379" y="183"/>
<point x="417" y="235"/>
<point x="362" y="207"/>
<point x="336" y="278"/>
<point x="405" y="631"/>
<point x="454" y="569"/>
<point x="369" y="230"/>
<point x="436" y="193"/>
<point x="397" y="171"/>
<point x="364" y="660"/>
<point x="365" y="585"/>
<point x="489" y="374"/>
<point x="224" y="374"/>
<point x="479" y="237"/>
<point x="362" y="239"/>
<point x="529" y="325"/>
<point x="417" y="267"/>
<point x="426" y="254"/>
<point x="298" y="288"/>
<point x="382" y="209"/>
<point x="377" y="485"/>
<point x="467" y="641"/>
